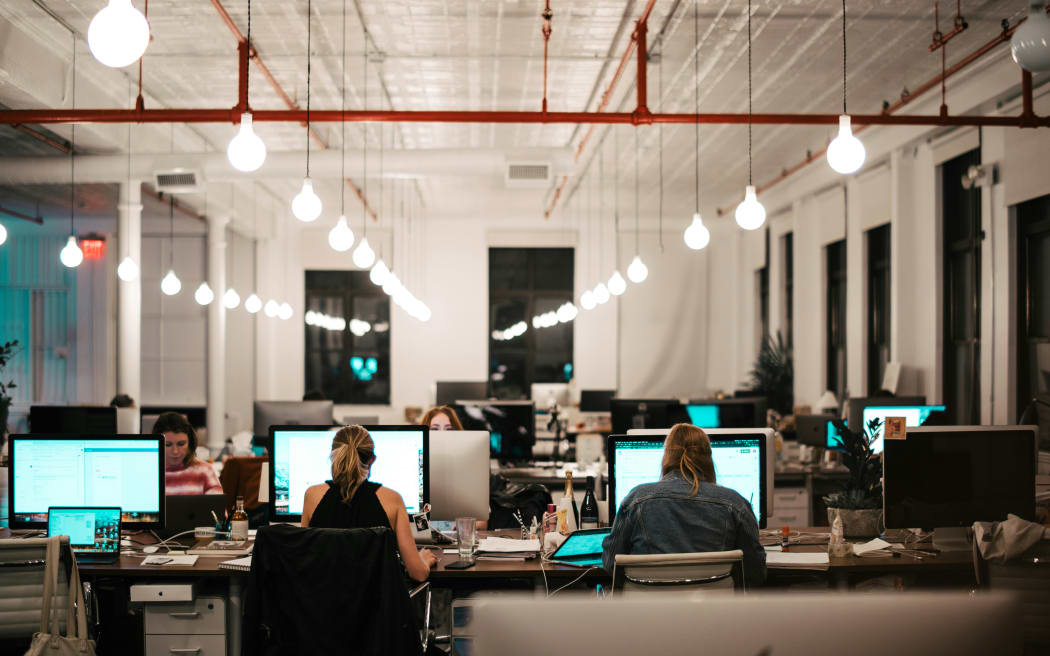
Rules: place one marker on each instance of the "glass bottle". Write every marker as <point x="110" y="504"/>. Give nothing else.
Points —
<point x="239" y="522"/>
<point x="572" y="497"/>
<point x="589" y="509"/>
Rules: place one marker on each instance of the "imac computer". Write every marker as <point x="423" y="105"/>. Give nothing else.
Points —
<point x="290" y="413"/>
<point x="741" y="460"/>
<point x="301" y="457"/>
<point x="197" y="415"/>
<point x="747" y="412"/>
<point x="122" y="471"/>
<point x="511" y="426"/>
<point x="914" y="416"/>
<point x="856" y="406"/>
<point x="543" y="393"/>
<point x="72" y="420"/>
<point x="447" y="392"/>
<point x="815" y="430"/>
<point x="628" y="414"/>
<point x="596" y="400"/>
<point x="459" y="474"/>
<point x="948" y="477"/>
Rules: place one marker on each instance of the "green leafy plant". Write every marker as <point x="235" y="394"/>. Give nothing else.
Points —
<point x="863" y="489"/>
<point x="774" y="374"/>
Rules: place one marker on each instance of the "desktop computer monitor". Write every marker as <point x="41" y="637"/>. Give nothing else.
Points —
<point x="939" y="477"/>
<point x="448" y="392"/>
<point x="914" y="416"/>
<point x="542" y="393"/>
<point x="856" y="406"/>
<point x="197" y="415"/>
<point x="459" y="474"/>
<point x="301" y="457"/>
<point x="646" y="413"/>
<point x="747" y="412"/>
<point x="290" y="413"/>
<point x="740" y="457"/>
<point x="123" y="471"/>
<point x="596" y="400"/>
<point x="72" y="420"/>
<point x="815" y="430"/>
<point x="511" y="426"/>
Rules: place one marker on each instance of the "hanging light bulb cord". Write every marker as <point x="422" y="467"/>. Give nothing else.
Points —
<point x="749" y="180"/>
<point x="247" y="78"/>
<point x="637" y="215"/>
<point x="171" y="231"/>
<point x="844" y="56"/>
<point x="309" y="25"/>
<point x="660" y="72"/>
<point x="364" y="129"/>
<point x="696" y="96"/>
<point x="73" y="142"/>
<point x="342" y="126"/>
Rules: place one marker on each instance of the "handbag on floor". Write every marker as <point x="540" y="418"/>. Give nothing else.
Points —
<point x="75" y="642"/>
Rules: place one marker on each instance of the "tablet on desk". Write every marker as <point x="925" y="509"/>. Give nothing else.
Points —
<point x="583" y="548"/>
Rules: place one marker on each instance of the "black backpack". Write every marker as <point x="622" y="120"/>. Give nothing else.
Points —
<point x="506" y="498"/>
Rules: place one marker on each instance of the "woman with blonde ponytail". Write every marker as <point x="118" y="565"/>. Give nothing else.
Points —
<point x="350" y="500"/>
<point x="686" y="511"/>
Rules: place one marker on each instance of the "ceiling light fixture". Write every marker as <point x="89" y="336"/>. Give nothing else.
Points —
<point x="636" y="271"/>
<point x="71" y="255"/>
<point x="171" y="284"/>
<point x="204" y="295"/>
<point x="253" y="304"/>
<point x="271" y="309"/>
<point x="341" y="237"/>
<point x="601" y="293"/>
<point x="363" y="255"/>
<point x="3" y="237"/>
<point x="379" y="273"/>
<point x="118" y="34"/>
<point x="587" y="301"/>
<point x="750" y="215"/>
<point x="128" y="269"/>
<point x="617" y="285"/>
<point x="696" y="235"/>
<point x="246" y="151"/>
<point x="231" y="299"/>
<point x="845" y="152"/>
<point x="1030" y="45"/>
<point x="285" y="311"/>
<point x="306" y="206"/>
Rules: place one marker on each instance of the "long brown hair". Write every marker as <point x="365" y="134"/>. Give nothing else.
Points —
<point x="352" y="454"/>
<point x="441" y="410"/>
<point x="175" y="422"/>
<point x="687" y="450"/>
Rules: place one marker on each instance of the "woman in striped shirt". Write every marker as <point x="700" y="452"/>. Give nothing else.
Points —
<point x="184" y="474"/>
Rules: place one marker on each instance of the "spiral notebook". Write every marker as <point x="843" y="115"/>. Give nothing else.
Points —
<point x="240" y="564"/>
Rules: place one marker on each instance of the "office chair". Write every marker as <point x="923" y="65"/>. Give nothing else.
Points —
<point x="1028" y="579"/>
<point x="22" y="570"/>
<point x="329" y="591"/>
<point x="681" y="574"/>
<point x="241" y="477"/>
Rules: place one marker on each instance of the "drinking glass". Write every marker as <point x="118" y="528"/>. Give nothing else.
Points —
<point x="466" y="528"/>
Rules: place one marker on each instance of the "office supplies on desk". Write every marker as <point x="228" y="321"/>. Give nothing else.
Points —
<point x="221" y="548"/>
<point x="240" y="564"/>
<point x="175" y="560"/>
<point x="507" y="545"/>
<point x="94" y="533"/>
<point x="796" y="558"/>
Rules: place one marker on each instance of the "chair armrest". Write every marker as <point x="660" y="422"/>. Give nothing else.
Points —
<point x="419" y="588"/>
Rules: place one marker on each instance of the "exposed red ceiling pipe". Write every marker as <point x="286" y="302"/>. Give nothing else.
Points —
<point x="19" y="215"/>
<point x="179" y="207"/>
<point x="959" y="26"/>
<point x="36" y="134"/>
<point x="242" y="88"/>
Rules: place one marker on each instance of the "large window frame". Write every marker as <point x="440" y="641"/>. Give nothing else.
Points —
<point x="788" y="246"/>
<point x="879" y="310"/>
<point x="1033" y="289"/>
<point x="835" y="325"/>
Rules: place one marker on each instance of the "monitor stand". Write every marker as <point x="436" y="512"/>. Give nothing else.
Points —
<point x="952" y="538"/>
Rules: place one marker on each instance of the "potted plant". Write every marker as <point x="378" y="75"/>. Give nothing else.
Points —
<point x="859" y="502"/>
<point x="7" y="351"/>
<point x="774" y="374"/>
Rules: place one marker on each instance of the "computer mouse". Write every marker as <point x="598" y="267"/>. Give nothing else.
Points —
<point x="150" y="549"/>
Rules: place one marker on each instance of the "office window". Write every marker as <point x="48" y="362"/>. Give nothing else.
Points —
<point x="788" y="242"/>
<point x="878" y="305"/>
<point x="1033" y="286"/>
<point x="763" y="297"/>
<point x="348" y="337"/>
<point x="962" y="290"/>
<point x="836" y="318"/>
<point x="526" y="283"/>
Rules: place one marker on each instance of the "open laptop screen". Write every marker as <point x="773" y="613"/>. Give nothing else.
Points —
<point x="90" y="530"/>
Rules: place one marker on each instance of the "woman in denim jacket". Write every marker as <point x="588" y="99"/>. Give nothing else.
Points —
<point x="686" y="512"/>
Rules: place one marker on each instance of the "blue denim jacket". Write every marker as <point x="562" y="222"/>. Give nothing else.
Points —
<point x="665" y="517"/>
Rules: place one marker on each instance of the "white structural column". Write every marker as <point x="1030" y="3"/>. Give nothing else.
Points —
<point x="217" y="333"/>
<point x="129" y="322"/>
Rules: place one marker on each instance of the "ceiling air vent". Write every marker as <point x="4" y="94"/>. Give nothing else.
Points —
<point x="177" y="181"/>
<point x="528" y="174"/>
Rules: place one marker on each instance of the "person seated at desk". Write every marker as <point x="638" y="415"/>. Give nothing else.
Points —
<point x="686" y="511"/>
<point x="441" y="417"/>
<point x="350" y="500"/>
<point x="184" y="474"/>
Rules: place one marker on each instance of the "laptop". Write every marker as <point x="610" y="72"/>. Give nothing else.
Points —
<point x="583" y="548"/>
<point x="94" y="533"/>
<point x="185" y="512"/>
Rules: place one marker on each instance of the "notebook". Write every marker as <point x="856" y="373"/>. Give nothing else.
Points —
<point x="240" y="564"/>
<point x="222" y="548"/>
<point x="94" y="533"/>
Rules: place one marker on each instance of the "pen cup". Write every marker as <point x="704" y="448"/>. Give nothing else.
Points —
<point x="466" y="529"/>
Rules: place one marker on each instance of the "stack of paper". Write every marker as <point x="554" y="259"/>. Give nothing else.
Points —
<point x="799" y="559"/>
<point x="507" y="545"/>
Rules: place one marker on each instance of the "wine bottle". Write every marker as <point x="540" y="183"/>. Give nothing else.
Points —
<point x="589" y="509"/>
<point x="572" y="497"/>
<point x="239" y="522"/>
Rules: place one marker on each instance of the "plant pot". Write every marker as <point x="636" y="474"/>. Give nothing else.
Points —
<point x="858" y="523"/>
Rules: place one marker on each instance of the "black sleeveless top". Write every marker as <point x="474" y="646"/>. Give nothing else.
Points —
<point x="363" y="510"/>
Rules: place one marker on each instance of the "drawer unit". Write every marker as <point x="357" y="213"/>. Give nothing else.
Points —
<point x="790" y="498"/>
<point x="206" y="615"/>
<point x="185" y="645"/>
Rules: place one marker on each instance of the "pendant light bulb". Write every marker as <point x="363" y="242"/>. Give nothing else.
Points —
<point x="379" y="273"/>
<point x="845" y="152"/>
<point x="127" y="270"/>
<point x="285" y="311"/>
<point x="424" y="313"/>
<point x="246" y="151"/>
<point x="3" y="234"/>
<point x="306" y="206"/>
<point x="118" y="34"/>
<point x="231" y="299"/>
<point x="253" y="304"/>
<point x="71" y="255"/>
<point x="601" y="294"/>
<point x="363" y="255"/>
<point x="750" y="215"/>
<point x="392" y="285"/>
<point x="617" y="285"/>
<point x="637" y="271"/>
<point x="1030" y="45"/>
<point x="587" y="301"/>
<point x="171" y="284"/>
<point x="204" y="295"/>
<point x="271" y="309"/>
<point x="341" y="237"/>
<point x="697" y="236"/>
